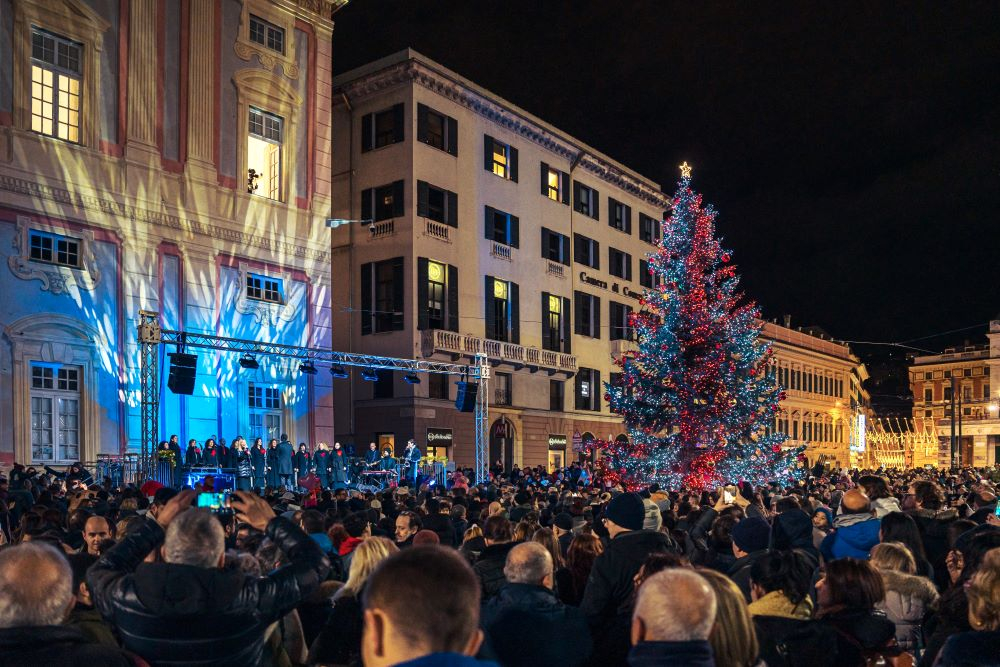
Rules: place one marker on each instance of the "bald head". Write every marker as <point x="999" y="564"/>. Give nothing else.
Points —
<point x="529" y="563"/>
<point x="676" y="604"/>
<point x="37" y="585"/>
<point x="96" y="530"/>
<point x="855" y="501"/>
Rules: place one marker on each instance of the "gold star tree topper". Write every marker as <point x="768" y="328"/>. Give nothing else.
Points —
<point x="685" y="170"/>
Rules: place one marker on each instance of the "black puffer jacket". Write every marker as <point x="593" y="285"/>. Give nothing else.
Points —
<point x="55" y="645"/>
<point x="179" y="614"/>
<point x="611" y="583"/>
<point x="489" y="568"/>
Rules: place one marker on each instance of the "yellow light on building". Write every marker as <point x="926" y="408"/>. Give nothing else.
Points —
<point x="435" y="272"/>
<point x="500" y="289"/>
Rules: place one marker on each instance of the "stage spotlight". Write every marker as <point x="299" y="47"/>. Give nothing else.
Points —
<point x="338" y="372"/>
<point x="307" y="368"/>
<point x="411" y="378"/>
<point x="369" y="375"/>
<point x="248" y="361"/>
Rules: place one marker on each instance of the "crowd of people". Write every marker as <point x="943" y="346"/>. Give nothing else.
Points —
<point x="529" y="567"/>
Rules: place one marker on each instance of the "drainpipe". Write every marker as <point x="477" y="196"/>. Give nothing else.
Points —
<point x="350" y="254"/>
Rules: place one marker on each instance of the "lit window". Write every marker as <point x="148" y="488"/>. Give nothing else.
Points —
<point x="265" y="415"/>
<point x="55" y="86"/>
<point x="54" y="249"/>
<point x="436" y="288"/>
<point x="262" y="288"/>
<point x="555" y="184"/>
<point x="501" y="158"/>
<point x="55" y="413"/>
<point x="267" y="34"/>
<point x="264" y="154"/>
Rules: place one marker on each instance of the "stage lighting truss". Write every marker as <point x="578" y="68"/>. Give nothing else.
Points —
<point x="248" y="361"/>
<point x="411" y="378"/>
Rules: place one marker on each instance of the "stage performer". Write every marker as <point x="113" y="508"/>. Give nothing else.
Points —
<point x="192" y="457"/>
<point x="258" y="461"/>
<point x="286" y="466"/>
<point x="338" y="467"/>
<point x="243" y="464"/>
<point x="303" y="462"/>
<point x="321" y="461"/>
<point x="413" y="456"/>
<point x="272" y="463"/>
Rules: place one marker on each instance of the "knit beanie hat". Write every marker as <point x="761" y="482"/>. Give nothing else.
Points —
<point x="628" y="511"/>
<point x="751" y="534"/>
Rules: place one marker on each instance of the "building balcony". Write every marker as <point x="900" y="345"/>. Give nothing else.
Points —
<point x="555" y="269"/>
<point x="501" y="251"/>
<point x="621" y="346"/>
<point x="382" y="229"/>
<point x="437" y="230"/>
<point x="437" y="341"/>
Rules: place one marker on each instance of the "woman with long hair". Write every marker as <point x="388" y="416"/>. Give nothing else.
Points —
<point x="733" y="638"/>
<point x="900" y="527"/>
<point x="547" y="539"/>
<point x="572" y="578"/>
<point x="847" y="596"/>
<point x="339" y="642"/>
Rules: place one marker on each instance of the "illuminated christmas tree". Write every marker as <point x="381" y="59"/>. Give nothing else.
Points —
<point x="697" y="396"/>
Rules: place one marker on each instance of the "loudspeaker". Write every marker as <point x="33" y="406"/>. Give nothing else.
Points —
<point x="183" y="369"/>
<point x="465" y="401"/>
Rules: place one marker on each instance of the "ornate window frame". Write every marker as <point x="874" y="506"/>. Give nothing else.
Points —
<point x="73" y="20"/>
<point x="56" y="278"/>
<point x="264" y="311"/>
<point x="246" y="49"/>
<point x="267" y="92"/>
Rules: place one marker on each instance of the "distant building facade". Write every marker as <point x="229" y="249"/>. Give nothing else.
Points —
<point x="163" y="156"/>
<point x="971" y="376"/>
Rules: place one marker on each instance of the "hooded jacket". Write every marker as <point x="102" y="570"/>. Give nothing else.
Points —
<point x="908" y="598"/>
<point x="853" y="536"/>
<point x="174" y="614"/>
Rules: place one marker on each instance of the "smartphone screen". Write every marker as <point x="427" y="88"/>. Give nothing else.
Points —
<point x="213" y="501"/>
<point x="997" y="510"/>
<point x="727" y="497"/>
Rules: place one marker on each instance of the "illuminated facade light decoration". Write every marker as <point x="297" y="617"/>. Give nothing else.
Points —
<point x="249" y="362"/>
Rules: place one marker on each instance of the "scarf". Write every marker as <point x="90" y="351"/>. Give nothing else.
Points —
<point x="349" y="545"/>
<point x="776" y="604"/>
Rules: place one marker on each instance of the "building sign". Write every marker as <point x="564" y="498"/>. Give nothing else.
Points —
<point x="577" y="442"/>
<point x="612" y="287"/>
<point x="439" y="437"/>
<point x="557" y="441"/>
<point x="861" y="441"/>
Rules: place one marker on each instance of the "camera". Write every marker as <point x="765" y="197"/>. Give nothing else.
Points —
<point x="217" y="502"/>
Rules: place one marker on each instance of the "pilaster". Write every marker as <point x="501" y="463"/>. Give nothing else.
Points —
<point x="140" y="143"/>
<point x="202" y="90"/>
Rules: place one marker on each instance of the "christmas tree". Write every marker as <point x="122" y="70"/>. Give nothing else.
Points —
<point x="698" y="396"/>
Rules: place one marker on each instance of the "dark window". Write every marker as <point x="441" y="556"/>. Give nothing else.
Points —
<point x="649" y="228"/>
<point x="502" y="310"/>
<point x="947" y="393"/>
<point x="586" y="251"/>
<point x="587" y="314"/>
<point x="267" y="34"/>
<point x="555" y="246"/>
<point x="588" y="389"/>
<point x="947" y="374"/>
<point x="437" y="295"/>
<point x="499" y="158"/>
<point x="53" y="248"/>
<point x="437" y="386"/>
<point x="68" y="379"/>
<point x="383" y="387"/>
<point x="41" y="377"/>
<point x="928" y="375"/>
<point x="502" y="227"/>
<point x="502" y="389"/>
<point x="647" y="279"/>
<point x="968" y="372"/>
<point x="382" y="287"/>
<point x="555" y="184"/>
<point x="619" y="264"/>
<point x="263" y="288"/>
<point x="383" y="202"/>
<point x="557" y="395"/>
<point x="620" y="327"/>
<point x="928" y="413"/>
<point x="986" y="391"/>
<point x="619" y="216"/>
<point x="437" y="204"/>
<point x="437" y="130"/>
<point x="555" y="323"/>
<point x="382" y="128"/>
<point x="586" y="200"/>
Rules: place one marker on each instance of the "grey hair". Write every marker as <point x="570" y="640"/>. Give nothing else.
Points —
<point x="37" y="585"/>
<point x="676" y="604"/>
<point x="528" y="563"/>
<point x="194" y="537"/>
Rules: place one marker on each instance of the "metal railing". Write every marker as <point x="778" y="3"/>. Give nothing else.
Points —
<point x="555" y="269"/>
<point x="501" y="251"/>
<point x="437" y="230"/>
<point x="450" y="342"/>
<point x="382" y="229"/>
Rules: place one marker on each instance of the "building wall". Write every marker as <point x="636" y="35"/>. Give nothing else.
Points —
<point x="153" y="191"/>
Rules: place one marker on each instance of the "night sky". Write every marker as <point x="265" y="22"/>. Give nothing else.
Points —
<point x="852" y="149"/>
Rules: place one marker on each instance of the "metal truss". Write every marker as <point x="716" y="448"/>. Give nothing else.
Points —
<point x="151" y="336"/>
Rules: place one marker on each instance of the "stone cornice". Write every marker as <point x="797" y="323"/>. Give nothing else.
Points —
<point x="157" y="219"/>
<point x="419" y="73"/>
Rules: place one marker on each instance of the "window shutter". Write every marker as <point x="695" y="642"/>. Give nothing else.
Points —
<point x="423" y="314"/>
<point x="515" y="314"/>
<point x="488" y="223"/>
<point x="366" y="299"/>
<point x="487" y="152"/>
<point x="397" y="199"/>
<point x="421" y="123"/>
<point x="452" y="136"/>
<point x="597" y="255"/>
<point x="564" y="186"/>
<point x="628" y="219"/>
<point x="577" y="192"/>
<point x="515" y="235"/>
<point x="611" y="211"/>
<point x="452" y="213"/>
<point x="453" y="298"/>
<point x="628" y="266"/>
<point x="545" y="320"/>
<point x="398" y="122"/>
<point x="595" y="306"/>
<point x="578" y="391"/>
<point x="513" y="164"/>
<point x="564" y="249"/>
<point x="596" y="391"/>
<point x="422" y="198"/>
<point x="367" y="197"/>
<point x="491" y="320"/>
<point x="545" y="243"/>
<point x="545" y="179"/>
<point x="597" y="205"/>
<point x="398" y="285"/>
<point x="366" y="132"/>
<point x="567" y="326"/>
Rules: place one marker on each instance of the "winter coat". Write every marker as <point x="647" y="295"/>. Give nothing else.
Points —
<point x="211" y="457"/>
<point x="611" y="583"/>
<point x="169" y="613"/>
<point x="489" y="568"/>
<point x="776" y="603"/>
<point x="192" y="456"/>
<point x="241" y="460"/>
<point x="933" y="527"/>
<point x="89" y="621"/>
<point x="696" y="653"/>
<point x="339" y="642"/>
<point x="884" y="506"/>
<point x="525" y="625"/>
<point x="965" y="649"/>
<point x="338" y="466"/>
<point x="55" y="645"/>
<point x="303" y="460"/>
<point x="853" y="536"/>
<point x="442" y="525"/>
<point x="284" y="458"/>
<point x="858" y="632"/>
<point x="321" y="461"/>
<point x="794" y="642"/>
<point x="739" y="572"/>
<point x="908" y="598"/>
<point x="258" y="459"/>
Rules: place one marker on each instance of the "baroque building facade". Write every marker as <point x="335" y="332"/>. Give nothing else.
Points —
<point x="171" y="157"/>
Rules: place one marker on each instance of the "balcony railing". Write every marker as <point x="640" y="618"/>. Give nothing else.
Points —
<point x="501" y="251"/>
<point x="456" y="344"/>
<point x="501" y="396"/>
<point x="382" y="228"/>
<point x="555" y="269"/>
<point x="437" y="230"/>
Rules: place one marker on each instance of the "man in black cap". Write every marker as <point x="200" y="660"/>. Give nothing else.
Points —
<point x="611" y="584"/>
<point x="562" y="528"/>
<point x="750" y="539"/>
